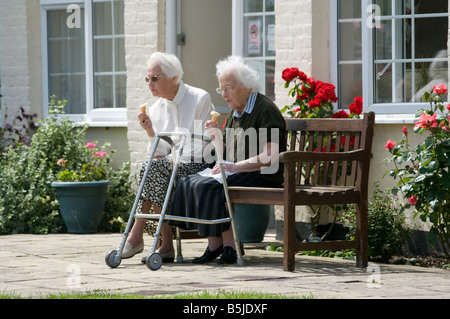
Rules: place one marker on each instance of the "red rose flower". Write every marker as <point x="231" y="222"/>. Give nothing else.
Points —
<point x="405" y="130"/>
<point x="314" y="103"/>
<point x="440" y="89"/>
<point x="340" y="115"/>
<point x="427" y="121"/>
<point x="412" y="200"/>
<point x="389" y="145"/>
<point x="326" y="92"/>
<point x="302" y="97"/>
<point x="289" y="74"/>
<point x="302" y="76"/>
<point x="357" y="106"/>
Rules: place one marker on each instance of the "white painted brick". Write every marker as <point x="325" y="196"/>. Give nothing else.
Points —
<point x="142" y="20"/>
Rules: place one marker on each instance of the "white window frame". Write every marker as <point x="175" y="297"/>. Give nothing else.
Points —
<point x="238" y="38"/>
<point x="100" y="117"/>
<point x="395" y="112"/>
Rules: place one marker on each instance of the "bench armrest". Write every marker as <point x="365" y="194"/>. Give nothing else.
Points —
<point x="301" y="156"/>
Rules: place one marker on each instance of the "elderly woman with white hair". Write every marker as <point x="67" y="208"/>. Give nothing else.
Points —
<point x="180" y="107"/>
<point x="254" y="120"/>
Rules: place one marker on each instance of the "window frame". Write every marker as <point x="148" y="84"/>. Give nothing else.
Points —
<point x="95" y="117"/>
<point x="395" y="112"/>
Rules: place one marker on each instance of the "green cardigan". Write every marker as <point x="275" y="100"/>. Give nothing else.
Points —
<point x="246" y="136"/>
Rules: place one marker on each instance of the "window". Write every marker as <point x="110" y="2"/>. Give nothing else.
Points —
<point x="256" y="39"/>
<point x="84" y="61"/>
<point x="109" y="54"/>
<point x="66" y="61"/>
<point x="390" y="51"/>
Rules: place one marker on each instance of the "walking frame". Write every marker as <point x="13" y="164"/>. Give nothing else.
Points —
<point x="153" y="260"/>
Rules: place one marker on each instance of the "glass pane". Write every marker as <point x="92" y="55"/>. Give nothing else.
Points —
<point x="119" y="17"/>
<point x="66" y="56"/>
<point x="270" y="5"/>
<point x="71" y="88"/>
<point x="383" y="40"/>
<point x="121" y="96"/>
<point x="104" y="87"/>
<point x="270" y="79"/>
<point x="259" y="67"/>
<point x="350" y="84"/>
<point x="350" y="41"/>
<point x="385" y="6"/>
<point x="431" y="36"/>
<point x="270" y="36"/>
<point x="435" y="6"/>
<point x="120" y="55"/>
<point x="103" y="55"/>
<point x="252" y="36"/>
<point x="349" y="9"/>
<point x="383" y="83"/>
<point x="102" y="20"/>
<point x="253" y="6"/>
<point x="429" y="74"/>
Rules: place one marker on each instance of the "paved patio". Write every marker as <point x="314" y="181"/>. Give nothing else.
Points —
<point x="38" y="265"/>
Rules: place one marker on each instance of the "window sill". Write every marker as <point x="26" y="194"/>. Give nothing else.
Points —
<point x="395" y="119"/>
<point x="107" y="118"/>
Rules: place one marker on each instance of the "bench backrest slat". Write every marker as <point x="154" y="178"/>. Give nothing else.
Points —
<point x="335" y="136"/>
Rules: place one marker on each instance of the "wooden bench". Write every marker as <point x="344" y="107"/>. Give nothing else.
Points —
<point x="327" y="163"/>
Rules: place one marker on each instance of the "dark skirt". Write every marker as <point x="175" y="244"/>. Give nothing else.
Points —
<point x="201" y="197"/>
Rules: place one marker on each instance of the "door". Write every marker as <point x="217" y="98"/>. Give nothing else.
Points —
<point x="206" y="33"/>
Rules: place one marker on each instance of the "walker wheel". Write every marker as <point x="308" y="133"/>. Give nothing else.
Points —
<point x="153" y="261"/>
<point x="110" y="259"/>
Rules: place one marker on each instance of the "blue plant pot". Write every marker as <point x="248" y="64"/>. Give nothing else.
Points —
<point x="251" y="221"/>
<point x="81" y="204"/>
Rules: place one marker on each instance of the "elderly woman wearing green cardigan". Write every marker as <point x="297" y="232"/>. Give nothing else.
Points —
<point x="253" y="136"/>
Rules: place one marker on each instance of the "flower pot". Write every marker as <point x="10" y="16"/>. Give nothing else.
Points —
<point x="81" y="204"/>
<point x="251" y="221"/>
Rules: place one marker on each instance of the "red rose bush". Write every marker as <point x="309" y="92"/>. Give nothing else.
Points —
<point x="423" y="171"/>
<point x="314" y="99"/>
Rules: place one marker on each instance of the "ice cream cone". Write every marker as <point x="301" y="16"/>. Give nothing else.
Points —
<point x="143" y="108"/>
<point x="215" y="115"/>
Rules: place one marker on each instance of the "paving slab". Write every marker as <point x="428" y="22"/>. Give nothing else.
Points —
<point x="38" y="265"/>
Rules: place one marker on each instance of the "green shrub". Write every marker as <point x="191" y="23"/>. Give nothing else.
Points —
<point x="28" y="203"/>
<point x="387" y="232"/>
<point x="119" y="200"/>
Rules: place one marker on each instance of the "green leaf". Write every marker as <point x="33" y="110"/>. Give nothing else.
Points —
<point x="420" y="178"/>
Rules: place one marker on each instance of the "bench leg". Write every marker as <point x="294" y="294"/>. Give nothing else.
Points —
<point x="289" y="240"/>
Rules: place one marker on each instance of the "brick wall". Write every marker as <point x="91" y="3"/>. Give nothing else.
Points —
<point x="293" y="41"/>
<point x="143" y="23"/>
<point x="14" y="62"/>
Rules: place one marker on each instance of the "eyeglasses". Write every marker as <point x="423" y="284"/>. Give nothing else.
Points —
<point x="225" y="89"/>
<point x="154" y="78"/>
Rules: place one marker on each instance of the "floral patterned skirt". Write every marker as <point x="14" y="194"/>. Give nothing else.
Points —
<point x="157" y="183"/>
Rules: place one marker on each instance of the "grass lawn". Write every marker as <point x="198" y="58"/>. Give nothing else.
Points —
<point x="194" y="295"/>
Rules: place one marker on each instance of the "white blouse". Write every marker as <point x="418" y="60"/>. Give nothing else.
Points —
<point x="188" y="112"/>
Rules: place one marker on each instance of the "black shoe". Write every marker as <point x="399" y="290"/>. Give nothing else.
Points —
<point x="208" y="256"/>
<point x="229" y="255"/>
